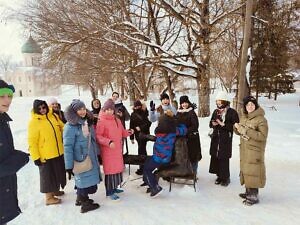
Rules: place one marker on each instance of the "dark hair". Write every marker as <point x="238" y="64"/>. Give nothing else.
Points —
<point x="115" y="93"/>
<point x="248" y="99"/>
<point x="37" y="103"/>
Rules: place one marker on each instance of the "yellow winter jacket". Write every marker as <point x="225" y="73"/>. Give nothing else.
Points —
<point x="45" y="136"/>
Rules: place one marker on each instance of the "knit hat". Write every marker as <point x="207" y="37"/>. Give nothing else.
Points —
<point x="183" y="99"/>
<point x="37" y="103"/>
<point x="6" y="89"/>
<point x="76" y="105"/>
<point x="109" y="104"/>
<point x="137" y="103"/>
<point x="164" y="96"/>
<point x="52" y="100"/>
<point x="250" y="99"/>
<point x="222" y="95"/>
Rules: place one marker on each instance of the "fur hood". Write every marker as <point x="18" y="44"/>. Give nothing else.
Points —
<point x="73" y="119"/>
<point x="184" y="110"/>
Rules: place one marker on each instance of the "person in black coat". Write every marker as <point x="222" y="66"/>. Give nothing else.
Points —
<point x="140" y="123"/>
<point x="11" y="160"/>
<point x="222" y="122"/>
<point x="188" y="117"/>
<point x="96" y="106"/>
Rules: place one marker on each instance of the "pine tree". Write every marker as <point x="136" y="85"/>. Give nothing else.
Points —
<point x="270" y="49"/>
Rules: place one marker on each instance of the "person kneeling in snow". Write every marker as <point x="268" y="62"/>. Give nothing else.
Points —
<point x="165" y="134"/>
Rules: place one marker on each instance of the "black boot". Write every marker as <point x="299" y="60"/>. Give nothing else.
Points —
<point x="225" y="182"/>
<point x="79" y="198"/>
<point x="87" y="205"/>
<point x="252" y="197"/>
<point x="244" y="195"/>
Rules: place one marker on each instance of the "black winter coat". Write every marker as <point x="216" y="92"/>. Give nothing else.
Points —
<point x="139" y="118"/>
<point x="11" y="161"/>
<point x="189" y="118"/>
<point x="221" y="139"/>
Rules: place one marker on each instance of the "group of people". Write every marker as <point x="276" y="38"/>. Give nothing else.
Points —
<point x="57" y="139"/>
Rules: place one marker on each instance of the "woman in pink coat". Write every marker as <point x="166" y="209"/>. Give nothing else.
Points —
<point x="110" y="132"/>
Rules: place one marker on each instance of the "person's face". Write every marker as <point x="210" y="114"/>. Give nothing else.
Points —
<point x="165" y="101"/>
<point x="42" y="109"/>
<point x="96" y="104"/>
<point x="219" y="103"/>
<point x="115" y="97"/>
<point x="5" y="102"/>
<point x="81" y="112"/>
<point x="250" y="107"/>
<point x="109" y="111"/>
<point x="54" y="106"/>
<point x="185" y="105"/>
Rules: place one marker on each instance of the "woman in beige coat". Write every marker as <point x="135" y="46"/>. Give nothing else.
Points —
<point x="253" y="129"/>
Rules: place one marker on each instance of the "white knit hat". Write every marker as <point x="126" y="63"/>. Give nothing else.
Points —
<point x="222" y="95"/>
<point x="52" y="100"/>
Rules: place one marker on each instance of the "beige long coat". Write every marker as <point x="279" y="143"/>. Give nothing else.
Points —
<point x="253" y="132"/>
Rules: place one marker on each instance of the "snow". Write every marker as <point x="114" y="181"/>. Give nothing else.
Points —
<point x="211" y="204"/>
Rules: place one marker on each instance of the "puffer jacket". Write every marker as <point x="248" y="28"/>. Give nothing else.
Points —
<point x="109" y="128"/>
<point x="76" y="148"/>
<point x="11" y="161"/>
<point x="254" y="134"/>
<point x="45" y="136"/>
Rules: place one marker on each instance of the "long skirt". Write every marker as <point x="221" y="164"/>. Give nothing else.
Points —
<point x="112" y="181"/>
<point x="52" y="175"/>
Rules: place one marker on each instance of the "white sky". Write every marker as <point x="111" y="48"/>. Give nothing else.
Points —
<point x="11" y="32"/>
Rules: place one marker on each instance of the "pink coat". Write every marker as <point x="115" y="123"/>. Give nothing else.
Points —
<point x="109" y="128"/>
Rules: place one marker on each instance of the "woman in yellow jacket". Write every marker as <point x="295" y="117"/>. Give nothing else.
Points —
<point x="46" y="150"/>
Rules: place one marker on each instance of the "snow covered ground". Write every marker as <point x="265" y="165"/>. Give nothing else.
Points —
<point x="211" y="204"/>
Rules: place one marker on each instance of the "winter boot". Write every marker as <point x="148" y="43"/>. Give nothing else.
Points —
<point x="218" y="181"/>
<point x="51" y="200"/>
<point x="244" y="195"/>
<point x="252" y="197"/>
<point x="156" y="192"/>
<point x="79" y="198"/>
<point x="87" y="205"/>
<point x="225" y="182"/>
<point x="59" y="193"/>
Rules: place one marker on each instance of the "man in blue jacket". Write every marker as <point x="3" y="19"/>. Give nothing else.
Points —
<point x="11" y="160"/>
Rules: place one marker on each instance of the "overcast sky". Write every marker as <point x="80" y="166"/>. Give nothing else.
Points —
<point x="11" y="32"/>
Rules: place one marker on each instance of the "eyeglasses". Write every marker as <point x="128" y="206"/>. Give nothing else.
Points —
<point x="42" y="107"/>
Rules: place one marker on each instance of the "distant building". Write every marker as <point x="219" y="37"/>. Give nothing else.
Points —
<point x="30" y="79"/>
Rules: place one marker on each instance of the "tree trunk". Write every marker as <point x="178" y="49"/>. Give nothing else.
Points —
<point x="243" y="87"/>
<point x="203" y="94"/>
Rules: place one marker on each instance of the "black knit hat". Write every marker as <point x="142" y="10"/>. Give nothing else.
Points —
<point x="183" y="99"/>
<point x="137" y="103"/>
<point x="37" y="103"/>
<point x="164" y="96"/>
<point x="250" y="99"/>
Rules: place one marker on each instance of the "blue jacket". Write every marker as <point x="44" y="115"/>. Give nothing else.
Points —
<point x="11" y="161"/>
<point x="164" y="144"/>
<point x="76" y="148"/>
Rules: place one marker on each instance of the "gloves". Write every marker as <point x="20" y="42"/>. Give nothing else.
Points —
<point x="152" y="105"/>
<point x="70" y="173"/>
<point x="37" y="162"/>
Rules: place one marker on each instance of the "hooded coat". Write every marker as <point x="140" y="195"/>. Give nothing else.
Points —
<point x="252" y="148"/>
<point x="45" y="135"/>
<point x="110" y="129"/>
<point x="77" y="146"/>
<point x="11" y="161"/>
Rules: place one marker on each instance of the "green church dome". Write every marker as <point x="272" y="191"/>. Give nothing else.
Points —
<point x="31" y="46"/>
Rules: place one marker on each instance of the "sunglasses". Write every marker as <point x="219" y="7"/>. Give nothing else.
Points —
<point x="42" y="107"/>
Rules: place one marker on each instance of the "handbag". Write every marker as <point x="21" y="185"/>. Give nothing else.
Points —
<point x="86" y="164"/>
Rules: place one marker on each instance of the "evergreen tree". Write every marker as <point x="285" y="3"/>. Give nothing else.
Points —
<point x="270" y="45"/>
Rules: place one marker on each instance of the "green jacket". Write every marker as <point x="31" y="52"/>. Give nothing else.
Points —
<point x="253" y="132"/>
